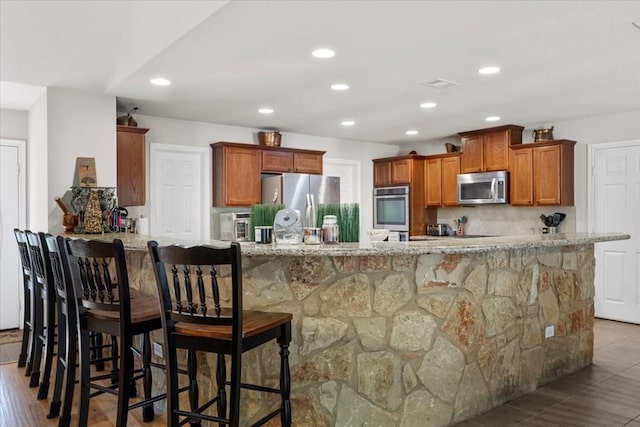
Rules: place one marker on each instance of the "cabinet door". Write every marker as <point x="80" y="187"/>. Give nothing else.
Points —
<point x="401" y="171"/>
<point x="450" y="171"/>
<point x="547" y="166"/>
<point x="307" y="163"/>
<point x="277" y="161"/>
<point x="495" y="151"/>
<point x="131" y="170"/>
<point x="471" y="158"/>
<point x="381" y="173"/>
<point x="241" y="176"/>
<point x="521" y="177"/>
<point x="433" y="176"/>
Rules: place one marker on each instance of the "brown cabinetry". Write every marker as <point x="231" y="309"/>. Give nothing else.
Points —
<point x="293" y="161"/>
<point x="409" y="171"/>
<point x="236" y="175"/>
<point x="542" y="174"/>
<point x="131" y="165"/>
<point x="487" y="150"/>
<point x="393" y="171"/>
<point x="441" y="176"/>
<point x="237" y="169"/>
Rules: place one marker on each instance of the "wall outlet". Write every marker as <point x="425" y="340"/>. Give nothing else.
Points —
<point x="549" y="331"/>
<point x="157" y="350"/>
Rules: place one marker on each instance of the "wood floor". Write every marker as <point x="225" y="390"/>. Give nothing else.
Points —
<point x="605" y="394"/>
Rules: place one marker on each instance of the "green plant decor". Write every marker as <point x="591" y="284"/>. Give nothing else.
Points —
<point x="263" y="215"/>
<point x="348" y="215"/>
<point x="349" y="222"/>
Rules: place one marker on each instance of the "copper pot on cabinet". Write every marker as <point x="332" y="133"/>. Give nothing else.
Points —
<point x="542" y="134"/>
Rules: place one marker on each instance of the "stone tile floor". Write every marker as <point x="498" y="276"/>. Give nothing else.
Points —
<point x="605" y="394"/>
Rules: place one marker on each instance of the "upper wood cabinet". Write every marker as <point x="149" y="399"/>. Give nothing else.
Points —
<point x="392" y="171"/>
<point x="280" y="160"/>
<point x="487" y="150"/>
<point x="131" y="165"/>
<point x="236" y="174"/>
<point x="441" y="180"/>
<point x="237" y="169"/>
<point x="308" y="162"/>
<point x="542" y="173"/>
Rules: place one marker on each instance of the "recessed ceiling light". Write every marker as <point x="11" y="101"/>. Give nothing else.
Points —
<point x="489" y="70"/>
<point x="411" y="132"/>
<point x="339" y="86"/>
<point x="428" y="105"/>
<point x="160" y="81"/>
<point x="323" y="53"/>
<point x="348" y="123"/>
<point x="492" y="118"/>
<point x="265" y="110"/>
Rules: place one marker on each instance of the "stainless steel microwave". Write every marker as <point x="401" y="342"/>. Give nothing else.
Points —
<point x="483" y="188"/>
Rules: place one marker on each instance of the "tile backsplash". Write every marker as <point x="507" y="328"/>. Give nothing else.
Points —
<point x="502" y="220"/>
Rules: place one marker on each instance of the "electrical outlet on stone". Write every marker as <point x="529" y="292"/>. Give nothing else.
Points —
<point x="549" y="331"/>
<point x="157" y="350"/>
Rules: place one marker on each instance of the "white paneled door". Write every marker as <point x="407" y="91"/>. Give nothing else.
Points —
<point x="12" y="215"/>
<point x="179" y="189"/>
<point x="616" y="208"/>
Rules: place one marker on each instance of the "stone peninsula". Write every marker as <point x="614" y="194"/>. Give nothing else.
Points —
<point x="421" y="333"/>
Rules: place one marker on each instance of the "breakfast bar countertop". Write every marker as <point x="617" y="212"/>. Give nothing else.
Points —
<point x="430" y="245"/>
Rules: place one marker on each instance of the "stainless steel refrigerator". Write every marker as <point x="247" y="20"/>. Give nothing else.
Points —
<point x="301" y="192"/>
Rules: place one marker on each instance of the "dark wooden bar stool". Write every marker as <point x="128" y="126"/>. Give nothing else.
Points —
<point x="45" y="294"/>
<point x="27" y="309"/>
<point x="103" y="308"/>
<point x="189" y="322"/>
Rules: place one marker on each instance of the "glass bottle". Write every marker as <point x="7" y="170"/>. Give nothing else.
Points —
<point x="330" y="231"/>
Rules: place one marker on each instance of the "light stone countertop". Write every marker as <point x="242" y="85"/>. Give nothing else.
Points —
<point x="437" y="245"/>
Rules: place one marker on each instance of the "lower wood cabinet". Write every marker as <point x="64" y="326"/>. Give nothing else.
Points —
<point x="441" y="176"/>
<point x="542" y="174"/>
<point x="131" y="165"/>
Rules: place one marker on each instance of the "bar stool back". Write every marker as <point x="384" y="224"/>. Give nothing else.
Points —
<point x="29" y="299"/>
<point x="194" y="320"/>
<point x="46" y="296"/>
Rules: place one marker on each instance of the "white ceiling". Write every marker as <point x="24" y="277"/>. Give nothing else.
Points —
<point x="560" y="60"/>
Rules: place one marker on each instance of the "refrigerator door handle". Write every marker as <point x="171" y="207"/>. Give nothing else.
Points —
<point x="313" y="213"/>
<point x="275" y="195"/>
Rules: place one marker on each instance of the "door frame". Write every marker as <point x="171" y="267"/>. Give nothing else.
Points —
<point x="22" y="204"/>
<point x="593" y="148"/>
<point x="205" y="180"/>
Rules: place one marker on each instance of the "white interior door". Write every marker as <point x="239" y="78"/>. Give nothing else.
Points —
<point x="12" y="215"/>
<point x="179" y="192"/>
<point x="616" y="208"/>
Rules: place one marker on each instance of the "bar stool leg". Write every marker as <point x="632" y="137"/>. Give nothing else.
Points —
<point x="49" y="342"/>
<point x="147" y="410"/>
<point x="221" y="377"/>
<point x="26" y="329"/>
<point x="36" y="342"/>
<point x="54" y="408"/>
<point x="192" y="370"/>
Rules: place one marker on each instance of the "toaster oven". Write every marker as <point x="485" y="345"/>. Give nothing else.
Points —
<point x="235" y="226"/>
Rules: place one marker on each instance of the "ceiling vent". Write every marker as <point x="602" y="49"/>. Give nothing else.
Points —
<point x="440" y="84"/>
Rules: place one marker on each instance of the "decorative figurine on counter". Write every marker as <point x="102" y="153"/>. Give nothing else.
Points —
<point x="69" y="221"/>
<point x="93" y="215"/>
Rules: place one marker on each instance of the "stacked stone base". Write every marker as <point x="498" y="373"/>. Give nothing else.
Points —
<point x="426" y="340"/>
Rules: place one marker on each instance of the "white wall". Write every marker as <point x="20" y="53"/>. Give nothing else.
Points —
<point x="591" y="130"/>
<point x="14" y="124"/>
<point x="181" y="132"/>
<point x="37" y="168"/>
<point x="79" y="124"/>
